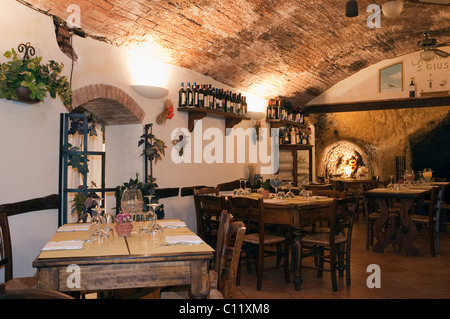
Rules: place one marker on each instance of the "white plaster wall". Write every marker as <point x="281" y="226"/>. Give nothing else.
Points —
<point x="364" y="85"/>
<point x="29" y="134"/>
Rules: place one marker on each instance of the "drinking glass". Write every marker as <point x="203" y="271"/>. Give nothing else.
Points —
<point x="391" y="182"/>
<point x="132" y="201"/>
<point x="290" y="194"/>
<point x="427" y="175"/>
<point x="409" y="177"/>
<point x="276" y="183"/>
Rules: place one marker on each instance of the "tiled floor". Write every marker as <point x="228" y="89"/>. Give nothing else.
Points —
<point x="402" y="277"/>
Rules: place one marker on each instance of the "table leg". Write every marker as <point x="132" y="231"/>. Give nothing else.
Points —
<point x="296" y="258"/>
<point x="199" y="279"/>
<point x="383" y="237"/>
<point x="407" y="232"/>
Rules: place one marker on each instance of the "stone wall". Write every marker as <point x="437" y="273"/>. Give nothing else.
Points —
<point x="382" y="134"/>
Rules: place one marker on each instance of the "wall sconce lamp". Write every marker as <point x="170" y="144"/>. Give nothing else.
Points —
<point x="150" y="92"/>
<point x="351" y="9"/>
<point x="392" y="8"/>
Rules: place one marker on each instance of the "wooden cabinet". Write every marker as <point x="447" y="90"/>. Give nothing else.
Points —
<point x="295" y="163"/>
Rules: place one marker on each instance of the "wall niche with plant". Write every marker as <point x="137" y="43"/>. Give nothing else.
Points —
<point x="29" y="80"/>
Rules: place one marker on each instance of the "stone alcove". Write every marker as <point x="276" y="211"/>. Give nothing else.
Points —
<point x="345" y="158"/>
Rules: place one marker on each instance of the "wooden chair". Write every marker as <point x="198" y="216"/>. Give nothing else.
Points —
<point x="258" y="239"/>
<point x="208" y="206"/>
<point x="333" y="247"/>
<point x="431" y="220"/>
<point x="229" y="186"/>
<point x="6" y="260"/>
<point x="223" y="277"/>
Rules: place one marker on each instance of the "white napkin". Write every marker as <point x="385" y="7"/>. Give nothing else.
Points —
<point x="184" y="240"/>
<point x="63" y="245"/>
<point x="171" y="224"/>
<point x="320" y="197"/>
<point x="74" y="227"/>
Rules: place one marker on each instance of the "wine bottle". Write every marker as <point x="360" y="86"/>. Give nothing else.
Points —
<point x="195" y="94"/>
<point x="201" y="96"/>
<point x="182" y="96"/>
<point x="218" y="100"/>
<point x="206" y="97"/>
<point x="224" y="100"/>
<point x="412" y="88"/>
<point x="212" y="98"/>
<point x="189" y="95"/>
<point x="244" y="106"/>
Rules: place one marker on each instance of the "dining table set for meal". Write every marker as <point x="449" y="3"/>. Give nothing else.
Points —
<point x="177" y="257"/>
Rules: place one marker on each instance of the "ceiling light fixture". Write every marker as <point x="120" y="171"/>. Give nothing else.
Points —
<point x="351" y="9"/>
<point x="427" y="54"/>
<point x="392" y="9"/>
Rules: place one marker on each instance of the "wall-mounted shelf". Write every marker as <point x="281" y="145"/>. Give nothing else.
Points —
<point x="197" y="113"/>
<point x="280" y="123"/>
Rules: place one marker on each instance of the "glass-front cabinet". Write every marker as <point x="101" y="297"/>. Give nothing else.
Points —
<point x="295" y="163"/>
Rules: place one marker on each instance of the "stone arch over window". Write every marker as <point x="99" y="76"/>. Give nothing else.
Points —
<point x="108" y="104"/>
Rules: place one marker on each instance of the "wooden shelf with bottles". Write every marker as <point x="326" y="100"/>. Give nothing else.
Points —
<point x="274" y="123"/>
<point x="197" y="113"/>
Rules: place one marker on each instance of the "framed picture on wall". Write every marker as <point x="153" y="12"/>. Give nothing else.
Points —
<point x="391" y="78"/>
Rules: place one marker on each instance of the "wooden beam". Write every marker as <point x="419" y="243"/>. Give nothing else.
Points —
<point x="417" y="102"/>
<point x="31" y="205"/>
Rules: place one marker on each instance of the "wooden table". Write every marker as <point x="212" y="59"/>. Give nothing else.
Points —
<point x="128" y="262"/>
<point x="344" y="184"/>
<point x="406" y="233"/>
<point x="296" y="214"/>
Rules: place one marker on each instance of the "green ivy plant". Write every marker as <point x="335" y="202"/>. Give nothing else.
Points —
<point x="39" y="78"/>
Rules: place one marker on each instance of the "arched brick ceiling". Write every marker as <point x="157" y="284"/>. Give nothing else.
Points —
<point x="287" y="48"/>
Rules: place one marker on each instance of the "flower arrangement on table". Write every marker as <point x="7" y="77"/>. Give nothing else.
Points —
<point x="124" y="224"/>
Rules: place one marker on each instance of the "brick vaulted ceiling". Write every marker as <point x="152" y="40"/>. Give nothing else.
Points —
<point x="290" y="49"/>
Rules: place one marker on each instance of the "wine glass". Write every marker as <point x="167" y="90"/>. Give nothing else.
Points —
<point x="132" y="201"/>
<point x="409" y="177"/>
<point x="290" y="194"/>
<point x="276" y="183"/>
<point x="391" y="182"/>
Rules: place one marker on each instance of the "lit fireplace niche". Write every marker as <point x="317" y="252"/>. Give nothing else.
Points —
<point x="345" y="159"/>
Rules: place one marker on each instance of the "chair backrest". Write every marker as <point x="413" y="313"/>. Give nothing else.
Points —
<point x="207" y="208"/>
<point x="5" y="247"/>
<point x="229" y="186"/>
<point x="206" y="191"/>
<point x="251" y="212"/>
<point x="331" y="193"/>
<point x="346" y="210"/>
<point x="231" y="234"/>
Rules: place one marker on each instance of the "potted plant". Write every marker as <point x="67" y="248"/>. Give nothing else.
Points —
<point x="29" y="80"/>
<point x="124" y="224"/>
<point x="266" y="189"/>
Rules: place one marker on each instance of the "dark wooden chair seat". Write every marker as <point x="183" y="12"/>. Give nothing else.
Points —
<point x="332" y="247"/>
<point x="258" y="239"/>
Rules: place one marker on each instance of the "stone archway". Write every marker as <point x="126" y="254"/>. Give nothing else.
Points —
<point x="109" y="104"/>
